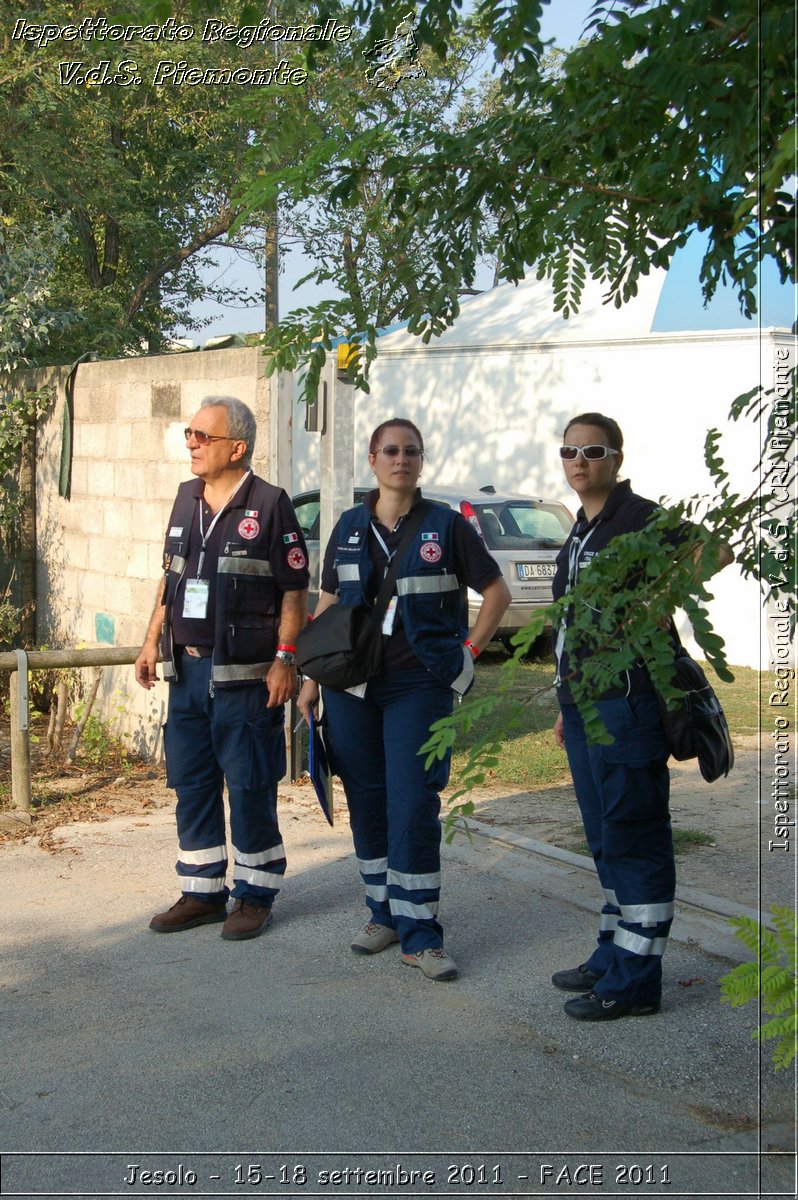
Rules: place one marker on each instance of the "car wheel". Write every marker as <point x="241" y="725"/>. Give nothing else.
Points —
<point x="541" y="649"/>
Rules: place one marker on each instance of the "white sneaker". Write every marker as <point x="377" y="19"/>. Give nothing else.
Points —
<point x="373" y="938"/>
<point x="435" y="963"/>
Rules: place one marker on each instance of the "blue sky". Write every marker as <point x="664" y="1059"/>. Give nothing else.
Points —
<point x="680" y="306"/>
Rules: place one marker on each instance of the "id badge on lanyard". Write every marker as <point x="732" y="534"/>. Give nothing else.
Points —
<point x="195" y="599"/>
<point x="390" y="616"/>
<point x="197" y="591"/>
<point x="390" y="612"/>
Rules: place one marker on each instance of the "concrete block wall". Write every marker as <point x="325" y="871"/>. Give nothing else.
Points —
<point x="99" y="553"/>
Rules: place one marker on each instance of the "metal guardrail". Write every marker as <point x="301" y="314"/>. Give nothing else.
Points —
<point x="24" y="661"/>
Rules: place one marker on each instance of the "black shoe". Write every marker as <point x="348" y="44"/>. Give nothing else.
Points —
<point x="581" y="979"/>
<point x="594" y="1008"/>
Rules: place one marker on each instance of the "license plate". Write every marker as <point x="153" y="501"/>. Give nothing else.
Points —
<point x="536" y="570"/>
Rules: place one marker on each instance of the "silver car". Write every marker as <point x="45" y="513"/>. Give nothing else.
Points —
<point x="522" y="533"/>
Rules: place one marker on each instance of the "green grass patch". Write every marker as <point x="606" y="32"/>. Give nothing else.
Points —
<point x="528" y="757"/>
<point x="685" y="840"/>
<point x="745" y="702"/>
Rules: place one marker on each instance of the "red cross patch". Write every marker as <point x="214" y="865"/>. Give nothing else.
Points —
<point x="430" y="552"/>
<point x="249" y="528"/>
<point x="296" y="559"/>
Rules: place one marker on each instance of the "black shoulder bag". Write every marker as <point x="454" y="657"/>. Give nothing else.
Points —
<point x="343" y="646"/>
<point x="695" y="724"/>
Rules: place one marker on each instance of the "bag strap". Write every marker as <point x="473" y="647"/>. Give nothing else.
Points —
<point x="408" y="533"/>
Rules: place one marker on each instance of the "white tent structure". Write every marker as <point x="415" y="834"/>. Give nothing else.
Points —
<point x="492" y="396"/>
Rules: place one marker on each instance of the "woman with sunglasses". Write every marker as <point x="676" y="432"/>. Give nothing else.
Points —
<point x="622" y="788"/>
<point x="374" y="732"/>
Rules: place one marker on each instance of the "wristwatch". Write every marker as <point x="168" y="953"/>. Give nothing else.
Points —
<point x="286" y="656"/>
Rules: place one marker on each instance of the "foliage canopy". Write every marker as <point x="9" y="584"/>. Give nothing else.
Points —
<point x="670" y="117"/>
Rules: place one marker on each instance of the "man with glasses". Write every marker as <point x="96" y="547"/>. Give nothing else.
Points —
<point x="226" y="617"/>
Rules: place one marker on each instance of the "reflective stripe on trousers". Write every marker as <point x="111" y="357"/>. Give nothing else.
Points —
<point x="393" y="800"/>
<point x="623" y="794"/>
<point x="230" y="738"/>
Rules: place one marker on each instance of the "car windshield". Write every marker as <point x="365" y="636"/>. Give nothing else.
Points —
<point x="521" y="525"/>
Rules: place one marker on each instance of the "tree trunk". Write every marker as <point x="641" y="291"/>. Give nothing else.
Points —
<point x="272" y="263"/>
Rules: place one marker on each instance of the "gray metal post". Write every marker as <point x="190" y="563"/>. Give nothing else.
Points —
<point x="337" y="450"/>
<point x="281" y="425"/>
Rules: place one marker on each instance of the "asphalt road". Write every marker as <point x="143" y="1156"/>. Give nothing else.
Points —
<point x="288" y="1066"/>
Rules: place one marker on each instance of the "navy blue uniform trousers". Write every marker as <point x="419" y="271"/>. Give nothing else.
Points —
<point x="231" y="736"/>
<point x="623" y="793"/>
<point x="393" y="799"/>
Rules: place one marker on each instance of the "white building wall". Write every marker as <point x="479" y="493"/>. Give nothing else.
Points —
<point x="494" y="413"/>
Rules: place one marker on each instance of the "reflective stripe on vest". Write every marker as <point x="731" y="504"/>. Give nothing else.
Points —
<point x="244" y="566"/>
<point x="348" y="573"/>
<point x="231" y="672"/>
<point x="417" y="585"/>
<point x="463" y="680"/>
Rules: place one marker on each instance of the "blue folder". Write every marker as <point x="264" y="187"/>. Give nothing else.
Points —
<point x="319" y="770"/>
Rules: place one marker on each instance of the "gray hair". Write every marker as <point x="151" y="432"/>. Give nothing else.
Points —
<point x="240" y="421"/>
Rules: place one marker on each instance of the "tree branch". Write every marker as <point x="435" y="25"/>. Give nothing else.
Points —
<point x="199" y="242"/>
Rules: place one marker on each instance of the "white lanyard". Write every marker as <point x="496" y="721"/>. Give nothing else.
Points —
<point x="390" y="612"/>
<point x="574" y="551"/>
<point x="381" y="540"/>
<point x="205" y="536"/>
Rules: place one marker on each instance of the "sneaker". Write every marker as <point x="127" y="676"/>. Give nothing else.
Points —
<point x="373" y="938"/>
<point x="581" y="979"/>
<point x="592" y="1007"/>
<point x="435" y="963"/>
<point x="186" y="913"/>
<point x="247" y="920"/>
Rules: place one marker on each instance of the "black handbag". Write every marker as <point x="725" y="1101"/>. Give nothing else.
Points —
<point x="695" y="724"/>
<point x="342" y="647"/>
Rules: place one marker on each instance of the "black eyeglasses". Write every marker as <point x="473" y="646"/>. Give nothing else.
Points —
<point x="394" y="451"/>
<point x="204" y="438"/>
<point x="589" y="453"/>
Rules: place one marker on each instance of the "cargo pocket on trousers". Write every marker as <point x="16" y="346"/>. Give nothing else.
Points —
<point x="636" y="725"/>
<point x="267" y="759"/>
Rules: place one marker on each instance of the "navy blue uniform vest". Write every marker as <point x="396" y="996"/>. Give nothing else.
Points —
<point x="431" y="599"/>
<point x="248" y="598"/>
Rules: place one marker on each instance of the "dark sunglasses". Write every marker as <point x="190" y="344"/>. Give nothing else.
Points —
<point x="589" y="453"/>
<point x="205" y="438"/>
<point x="394" y="451"/>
